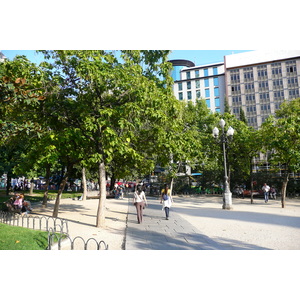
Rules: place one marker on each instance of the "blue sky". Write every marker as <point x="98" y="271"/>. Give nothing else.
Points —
<point x="199" y="57"/>
<point x="31" y="54"/>
<point x="202" y="57"/>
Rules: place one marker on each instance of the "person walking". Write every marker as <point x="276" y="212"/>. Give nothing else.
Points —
<point x="140" y="201"/>
<point x="266" y="190"/>
<point x="166" y="200"/>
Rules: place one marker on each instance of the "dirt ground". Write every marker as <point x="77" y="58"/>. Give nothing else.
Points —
<point x="81" y="218"/>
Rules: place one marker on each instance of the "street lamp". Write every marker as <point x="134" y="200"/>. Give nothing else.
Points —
<point x="227" y="196"/>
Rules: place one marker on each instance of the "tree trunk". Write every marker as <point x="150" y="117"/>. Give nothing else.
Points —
<point x="102" y="196"/>
<point x="251" y="178"/>
<point x="283" y="190"/>
<point x="84" y="185"/>
<point x="171" y="185"/>
<point x="8" y="183"/>
<point x="45" y="199"/>
<point x="112" y="182"/>
<point x="59" y="193"/>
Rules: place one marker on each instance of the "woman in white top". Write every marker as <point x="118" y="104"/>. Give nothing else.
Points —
<point x="139" y="200"/>
<point x="166" y="199"/>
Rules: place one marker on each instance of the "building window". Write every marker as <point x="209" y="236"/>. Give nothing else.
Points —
<point x="180" y="96"/>
<point x="262" y="72"/>
<point x="236" y="110"/>
<point x="205" y="72"/>
<point x="208" y="103"/>
<point x="276" y="70"/>
<point x="279" y="95"/>
<point x="236" y="99"/>
<point x="180" y="86"/>
<point x="263" y="85"/>
<point x="235" y="76"/>
<point x="235" y="89"/>
<point x="291" y="68"/>
<point x="216" y="92"/>
<point x="293" y="94"/>
<point x="249" y="86"/>
<point x="250" y="98"/>
<point x="252" y="121"/>
<point x="197" y="84"/>
<point x="189" y="95"/>
<point x="217" y="102"/>
<point x="292" y="82"/>
<point x="188" y="75"/>
<point x="206" y="82"/>
<point x="216" y="81"/>
<point x="207" y="93"/>
<point x="265" y="107"/>
<point x="198" y="94"/>
<point x="277" y="84"/>
<point x="264" y="96"/>
<point x="248" y="74"/>
<point x="215" y="70"/>
<point x="251" y="109"/>
<point x="188" y="85"/>
<point x="197" y="73"/>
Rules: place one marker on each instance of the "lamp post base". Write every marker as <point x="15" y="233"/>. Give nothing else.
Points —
<point x="227" y="200"/>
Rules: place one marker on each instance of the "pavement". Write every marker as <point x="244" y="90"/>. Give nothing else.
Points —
<point x="157" y="233"/>
<point x="195" y="223"/>
<point x="199" y="223"/>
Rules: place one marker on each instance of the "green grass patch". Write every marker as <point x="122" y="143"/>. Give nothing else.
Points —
<point x="19" y="238"/>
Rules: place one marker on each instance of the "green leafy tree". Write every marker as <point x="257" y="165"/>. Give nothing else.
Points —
<point x="22" y="89"/>
<point x="226" y="106"/>
<point x="281" y="137"/>
<point x="243" y="116"/>
<point x="121" y="106"/>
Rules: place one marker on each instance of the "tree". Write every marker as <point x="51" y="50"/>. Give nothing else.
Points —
<point x="226" y="106"/>
<point x="281" y="137"/>
<point x="22" y="89"/>
<point x="243" y="116"/>
<point x="121" y="106"/>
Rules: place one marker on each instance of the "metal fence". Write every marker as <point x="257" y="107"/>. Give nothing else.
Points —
<point x="34" y="222"/>
<point x="58" y="232"/>
<point x="64" y="242"/>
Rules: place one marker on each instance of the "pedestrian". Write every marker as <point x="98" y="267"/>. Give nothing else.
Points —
<point x="140" y="201"/>
<point x="273" y="193"/>
<point x="18" y="203"/>
<point x="266" y="190"/>
<point x="166" y="200"/>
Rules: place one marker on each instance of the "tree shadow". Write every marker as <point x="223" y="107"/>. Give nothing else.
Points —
<point x="152" y="240"/>
<point x="245" y="216"/>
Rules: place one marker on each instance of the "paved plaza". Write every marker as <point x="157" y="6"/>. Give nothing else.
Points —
<point x="199" y="223"/>
<point x="195" y="223"/>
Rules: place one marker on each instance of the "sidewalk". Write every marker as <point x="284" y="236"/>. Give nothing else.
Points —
<point x="195" y="223"/>
<point x="199" y="223"/>
<point x="157" y="233"/>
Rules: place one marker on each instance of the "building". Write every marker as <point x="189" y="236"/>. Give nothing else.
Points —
<point x="200" y="82"/>
<point x="2" y="57"/>
<point x="256" y="81"/>
<point x="259" y="81"/>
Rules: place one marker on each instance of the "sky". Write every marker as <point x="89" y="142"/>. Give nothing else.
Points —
<point x="202" y="57"/>
<point x="199" y="57"/>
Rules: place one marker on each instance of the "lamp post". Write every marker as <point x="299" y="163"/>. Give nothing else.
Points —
<point x="227" y="195"/>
